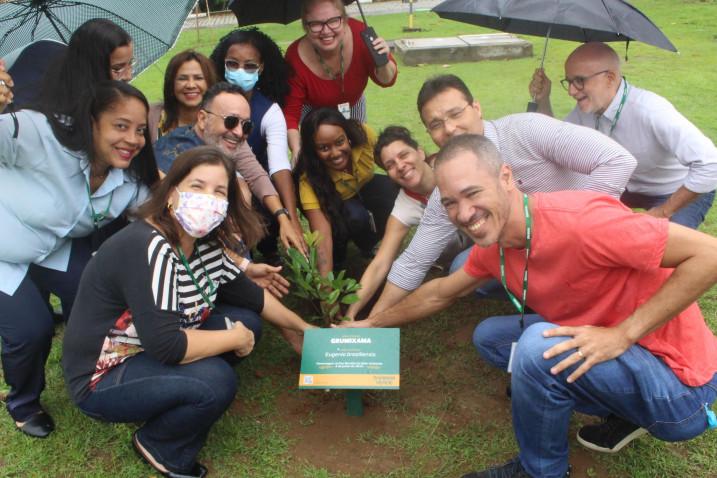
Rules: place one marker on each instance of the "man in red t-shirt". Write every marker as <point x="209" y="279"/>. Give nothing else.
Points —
<point x="617" y="332"/>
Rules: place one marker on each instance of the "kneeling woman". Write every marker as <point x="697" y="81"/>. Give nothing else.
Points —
<point x="61" y="191"/>
<point x="340" y="195"/>
<point x="147" y="340"/>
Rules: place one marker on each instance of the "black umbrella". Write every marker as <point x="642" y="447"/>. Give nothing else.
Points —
<point x="575" y="20"/>
<point x="251" y="12"/>
<point x="153" y="26"/>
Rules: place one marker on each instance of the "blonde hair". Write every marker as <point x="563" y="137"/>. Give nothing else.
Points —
<point x="306" y="5"/>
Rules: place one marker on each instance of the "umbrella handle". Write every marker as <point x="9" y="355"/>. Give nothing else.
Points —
<point x="533" y="106"/>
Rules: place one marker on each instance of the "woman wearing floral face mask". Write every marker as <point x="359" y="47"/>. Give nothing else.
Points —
<point x="163" y="313"/>
<point x="252" y="61"/>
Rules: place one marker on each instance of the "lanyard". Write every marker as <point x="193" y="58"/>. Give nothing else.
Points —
<point x="328" y="71"/>
<point x="206" y="298"/>
<point x="528" y="234"/>
<point x="617" y="114"/>
<point x="97" y="218"/>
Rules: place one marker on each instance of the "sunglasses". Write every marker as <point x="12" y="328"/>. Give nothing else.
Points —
<point x="233" y="65"/>
<point x="231" y="122"/>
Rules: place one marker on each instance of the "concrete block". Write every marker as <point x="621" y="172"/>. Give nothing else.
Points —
<point x="497" y="46"/>
<point x="432" y="50"/>
<point x="491" y="46"/>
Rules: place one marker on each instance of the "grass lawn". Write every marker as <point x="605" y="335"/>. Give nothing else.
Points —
<point x="451" y="415"/>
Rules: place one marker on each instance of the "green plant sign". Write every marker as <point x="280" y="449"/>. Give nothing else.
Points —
<point x="328" y="295"/>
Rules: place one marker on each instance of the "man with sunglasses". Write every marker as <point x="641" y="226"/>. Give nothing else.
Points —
<point x="676" y="172"/>
<point x="224" y="121"/>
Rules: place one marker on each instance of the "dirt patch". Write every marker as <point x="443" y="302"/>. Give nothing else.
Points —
<point x="324" y="436"/>
<point x="450" y="385"/>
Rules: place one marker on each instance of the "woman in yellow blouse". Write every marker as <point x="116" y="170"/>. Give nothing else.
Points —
<point x="339" y="193"/>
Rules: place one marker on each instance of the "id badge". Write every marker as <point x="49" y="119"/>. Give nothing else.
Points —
<point x="512" y="354"/>
<point x="345" y="109"/>
<point x="371" y="222"/>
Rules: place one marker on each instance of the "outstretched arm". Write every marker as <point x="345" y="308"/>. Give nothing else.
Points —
<point x="376" y="271"/>
<point x="428" y="299"/>
<point x="693" y="255"/>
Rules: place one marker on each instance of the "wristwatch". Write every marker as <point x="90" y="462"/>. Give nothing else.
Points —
<point x="280" y="211"/>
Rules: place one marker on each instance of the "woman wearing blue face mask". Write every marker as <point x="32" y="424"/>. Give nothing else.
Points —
<point x="252" y="61"/>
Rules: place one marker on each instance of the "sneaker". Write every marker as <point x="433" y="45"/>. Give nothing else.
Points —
<point x="610" y="436"/>
<point x="511" y="469"/>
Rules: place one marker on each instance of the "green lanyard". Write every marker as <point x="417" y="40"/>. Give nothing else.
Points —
<point x="528" y="234"/>
<point x="206" y="298"/>
<point x="617" y="114"/>
<point x="97" y="218"/>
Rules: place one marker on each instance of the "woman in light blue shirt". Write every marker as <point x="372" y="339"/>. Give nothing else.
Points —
<point x="60" y="186"/>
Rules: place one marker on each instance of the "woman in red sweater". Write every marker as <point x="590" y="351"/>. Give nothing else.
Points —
<point x="331" y="66"/>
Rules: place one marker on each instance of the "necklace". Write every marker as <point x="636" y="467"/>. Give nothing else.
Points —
<point x="98" y="217"/>
<point x="328" y="71"/>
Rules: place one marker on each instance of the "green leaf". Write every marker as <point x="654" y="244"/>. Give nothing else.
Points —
<point x="350" y="299"/>
<point x="312" y="257"/>
<point x="330" y="276"/>
<point x="298" y="258"/>
<point x="333" y="296"/>
<point x="334" y="310"/>
<point x="340" y="277"/>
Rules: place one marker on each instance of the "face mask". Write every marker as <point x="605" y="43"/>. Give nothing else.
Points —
<point x="242" y="79"/>
<point x="199" y="213"/>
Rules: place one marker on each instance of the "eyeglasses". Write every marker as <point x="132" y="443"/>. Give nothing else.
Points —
<point x="248" y="66"/>
<point x="453" y="115"/>
<point x="231" y="122"/>
<point x="119" y="69"/>
<point x="316" y="26"/>
<point x="579" y="81"/>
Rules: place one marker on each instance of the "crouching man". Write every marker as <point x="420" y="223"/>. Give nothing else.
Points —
<point x="617" y="332"/>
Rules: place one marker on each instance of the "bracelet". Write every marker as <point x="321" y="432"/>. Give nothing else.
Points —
<point x="280" y="211"/>
<point x="244" y="264"/>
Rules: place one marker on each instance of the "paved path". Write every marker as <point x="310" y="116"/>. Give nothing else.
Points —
<point x="224" y="19"/>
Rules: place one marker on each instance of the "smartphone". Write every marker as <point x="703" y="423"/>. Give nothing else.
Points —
<point x="369" y="35"/>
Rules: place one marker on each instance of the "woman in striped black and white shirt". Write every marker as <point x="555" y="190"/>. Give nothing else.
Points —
<point x="162" y="313"/>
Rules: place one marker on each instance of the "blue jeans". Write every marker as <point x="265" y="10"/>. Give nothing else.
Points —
<point x="177" y="403"/>
<point x="26" y="328"/>
<point x="492" y="289"/>
<point x="691" y="215"/>
<point x="636" y="386"/>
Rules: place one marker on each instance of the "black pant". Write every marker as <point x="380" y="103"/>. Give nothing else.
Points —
<point x="26" y="328"/>
<point x="377" y="196"/>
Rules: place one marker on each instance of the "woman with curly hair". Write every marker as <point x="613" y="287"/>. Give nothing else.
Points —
<point x="249" y="59"/>
<point x="340" y="194"/>
<point x="188" y="76"/>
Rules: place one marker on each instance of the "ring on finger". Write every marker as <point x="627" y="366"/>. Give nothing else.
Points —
<point x="580" y="354"/>
<point x="2" y="83"/>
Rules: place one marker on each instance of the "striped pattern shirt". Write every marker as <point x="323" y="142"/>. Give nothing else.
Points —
<point x="136" y="296"/>
<point x="545" y="155"/>
<point x="172" y="286"/>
